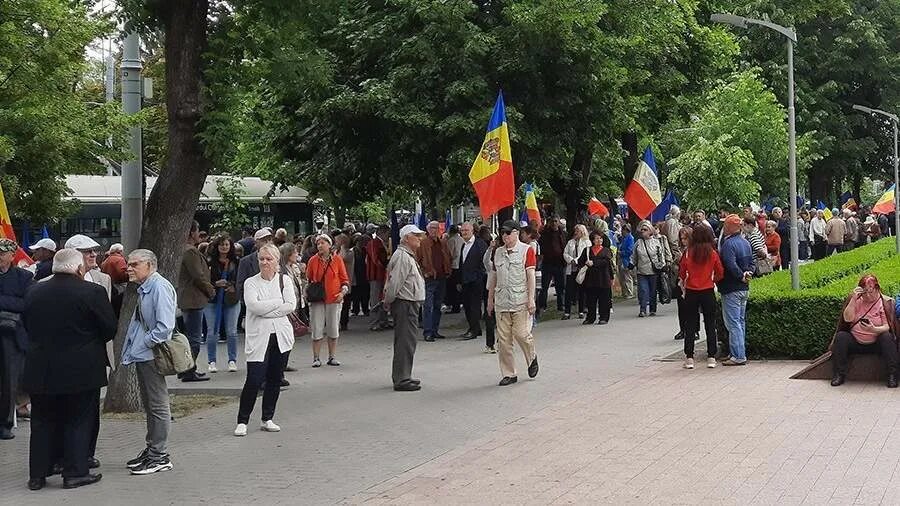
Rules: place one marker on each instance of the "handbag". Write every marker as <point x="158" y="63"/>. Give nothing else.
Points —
<point x="172" y="356"/>
<point x="582" y="273"/>
<point x="656" y="269"/>
<point x="9" y="322"/>
<point x="300" y="328"/>
<point x="315" y="291"/>
<point x="762" y="266"/>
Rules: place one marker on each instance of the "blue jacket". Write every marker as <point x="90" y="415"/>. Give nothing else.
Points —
<point x="626" y="248"/>
<point x="157" y="299"/>
<point x="13" y="285"/>
<point x="737" y="258"/>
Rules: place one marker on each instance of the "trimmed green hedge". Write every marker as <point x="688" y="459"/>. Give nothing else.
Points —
<point x="782" y="323"/>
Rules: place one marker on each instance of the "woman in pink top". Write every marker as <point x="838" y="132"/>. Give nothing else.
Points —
<point x="867" y="325"/>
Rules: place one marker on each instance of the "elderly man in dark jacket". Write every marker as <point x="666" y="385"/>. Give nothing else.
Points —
<point x="472" y="278"/>
<point x="69" y="322"/>
<point x="14" y="282"/>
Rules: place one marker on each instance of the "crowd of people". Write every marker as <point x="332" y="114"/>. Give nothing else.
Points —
<point x="271" y="285"/>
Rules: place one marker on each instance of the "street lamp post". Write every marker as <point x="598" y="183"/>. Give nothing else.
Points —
<point x="894" y="121"/>
<point x="742" y="22"/>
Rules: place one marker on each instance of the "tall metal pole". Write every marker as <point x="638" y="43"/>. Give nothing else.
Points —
<point x="792" y="171"/>
<point x="896" y="190"/>
<point x="132" y="169"/>
<point x="110" y="96"/>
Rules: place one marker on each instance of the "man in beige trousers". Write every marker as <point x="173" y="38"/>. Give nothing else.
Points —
<point x="511" y="294"/>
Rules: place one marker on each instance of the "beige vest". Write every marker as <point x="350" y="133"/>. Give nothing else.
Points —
<point x="511" y="290"/>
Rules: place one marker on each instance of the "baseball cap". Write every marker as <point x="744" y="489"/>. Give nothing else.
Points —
<point x="81" y="242"/>
<point x="46" y="243"/>
<point x="262" y="233"/>
<point x="8" y="245"/>
<point x="510" y="225"/>
<point x="733" y="219"/>
<point x="410" y="229"/>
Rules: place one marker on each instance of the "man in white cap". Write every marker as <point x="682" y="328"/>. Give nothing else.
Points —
<point x="42" y="252"/>
<point x="249" y="264"/>
<point x="89" y="249"/>
<point x="404" y="292"/>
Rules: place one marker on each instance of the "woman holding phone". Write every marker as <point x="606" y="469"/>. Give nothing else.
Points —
<point x="867" y="325"/>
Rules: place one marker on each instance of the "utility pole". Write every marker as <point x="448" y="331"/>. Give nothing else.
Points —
<point x="110" y="82"/>
<point x="132" y="169"/>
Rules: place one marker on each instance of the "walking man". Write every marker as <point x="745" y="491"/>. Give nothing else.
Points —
<point x="404" y="293"/>
<point x="471" y="278"/>
<point x="737" y="259"/>
<point x="511" y="296"/>
<point x="434" y="257"/>
<point x="152" y="323"/>
<point x="553" y="265"/>
<point x="194" y="292"/>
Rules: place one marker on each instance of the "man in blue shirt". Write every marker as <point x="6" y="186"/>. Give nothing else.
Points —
<point x="626" y="248"/>
<point x="151" y="324"/>
<point x="737" y="258"/>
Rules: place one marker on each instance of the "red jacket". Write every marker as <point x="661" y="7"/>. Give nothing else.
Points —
<point x="333" y="274"/>
<point x="376" y="260"/>
<point x="696" y="276"/>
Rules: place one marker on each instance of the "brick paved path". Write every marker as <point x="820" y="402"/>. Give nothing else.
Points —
<point x="603" y="422"/>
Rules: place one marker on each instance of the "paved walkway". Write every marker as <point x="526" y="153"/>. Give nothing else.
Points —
<point x="603" y="423"/>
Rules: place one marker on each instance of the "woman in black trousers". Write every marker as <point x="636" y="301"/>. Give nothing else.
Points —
<point x="686" y="319"/>
<point x="597" y="284"/>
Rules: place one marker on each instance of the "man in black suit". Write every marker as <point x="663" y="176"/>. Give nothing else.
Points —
<point x="69" y="321"/>
<point x="472" y="278"/>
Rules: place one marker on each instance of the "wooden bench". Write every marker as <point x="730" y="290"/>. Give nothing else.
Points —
<point x="867" y="367"/>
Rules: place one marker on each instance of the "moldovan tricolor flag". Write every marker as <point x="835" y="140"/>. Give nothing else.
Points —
<point x="643" y="193"/>
<point x="885" y="204"/>
<point x="492" y="173"/>
<point x="7" y="232"/>
<point x="531" y="207"/>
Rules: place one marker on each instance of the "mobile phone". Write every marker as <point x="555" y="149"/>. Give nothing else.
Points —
<point x="865" y="320"/>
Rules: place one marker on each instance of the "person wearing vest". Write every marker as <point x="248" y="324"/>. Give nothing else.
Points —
<point x="404" y="293"/>
<point x="511" y="295"/>
<point x="868" y="324"/>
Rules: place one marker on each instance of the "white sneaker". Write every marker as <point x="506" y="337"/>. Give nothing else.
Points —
<point x="711" y="363"/>
<point x="212" y="367"/>
<point x="269" y="426"/>
<point x="688" y="363"/>
<point x="240" y="430"/>
<point x="232" y="367"/>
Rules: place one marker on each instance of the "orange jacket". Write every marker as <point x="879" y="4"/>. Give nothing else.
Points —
<point x="425" y="259"/>
<point x="333" y="274"/>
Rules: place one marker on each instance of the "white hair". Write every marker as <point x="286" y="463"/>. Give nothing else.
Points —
<point x="116" y="248"/>
<point x="67" y="261"/>
<point x="145" y="255"/>
<point x="272" y="249"/>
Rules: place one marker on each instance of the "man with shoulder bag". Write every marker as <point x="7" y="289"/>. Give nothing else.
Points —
<point x="151" y="325"/>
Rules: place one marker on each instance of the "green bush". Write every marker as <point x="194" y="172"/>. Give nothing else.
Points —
<point x="782" y="323"/>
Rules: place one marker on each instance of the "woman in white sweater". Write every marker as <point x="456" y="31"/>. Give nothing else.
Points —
<point x="269" y="297"/>
<point x="577" y="245"/>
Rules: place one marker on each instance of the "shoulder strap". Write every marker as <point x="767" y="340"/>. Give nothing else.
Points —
<point x="138" y="315"/>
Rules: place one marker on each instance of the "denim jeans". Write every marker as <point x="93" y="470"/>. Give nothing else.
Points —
<point x="193" y="330"/>
<point x="431" y="310"/>
<point x="647" y="292"/>
<point x="557" y="274"/>
<point x="734" y="312"/>
<point x="229" y="320"/>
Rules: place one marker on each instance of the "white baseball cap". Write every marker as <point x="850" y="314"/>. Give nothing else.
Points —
<point x="262" y="233"/>
<point x="81" y="242"/>
<point x="410" y="229"/>
<point x="47" y="244"/>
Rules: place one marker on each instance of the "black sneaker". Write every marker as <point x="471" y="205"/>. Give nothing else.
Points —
<point x="153" y="465"/>
<point x="508" y="380"/>
<point x="131" y="464"/>
<point x="533" y="368"/>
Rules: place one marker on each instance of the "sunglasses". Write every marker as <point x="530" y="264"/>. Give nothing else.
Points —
<point x="507" y="232"/>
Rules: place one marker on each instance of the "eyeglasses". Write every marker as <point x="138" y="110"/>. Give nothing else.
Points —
<point x="134" y="264"/>
<point x="507" y="232"/>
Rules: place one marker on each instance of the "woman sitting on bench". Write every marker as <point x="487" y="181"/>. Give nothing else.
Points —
<point x="867" y="325"/>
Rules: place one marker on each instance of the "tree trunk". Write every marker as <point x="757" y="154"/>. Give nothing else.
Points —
<point x="579" y="175"/>
<point x="857" y="188"/>
<point x="173" y="201"/>
<point x="629" y="166"/>
<point x="340" y="216"/>
<point x="819" y="185"/>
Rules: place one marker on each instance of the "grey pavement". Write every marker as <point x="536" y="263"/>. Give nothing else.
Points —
<point x="606" y="421"/>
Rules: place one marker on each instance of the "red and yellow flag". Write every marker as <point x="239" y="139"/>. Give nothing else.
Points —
<point x="7" y="232"/>
<point x="531" y="207"/>
<point x="492" y="173"/>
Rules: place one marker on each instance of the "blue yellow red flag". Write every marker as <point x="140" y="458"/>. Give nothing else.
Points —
<point x="643" y="193"/>
<point x="531" y="207"/>
<point x="492" y="172"/>
<point x="885" y="204"/>
<point x="7" y="232"/>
